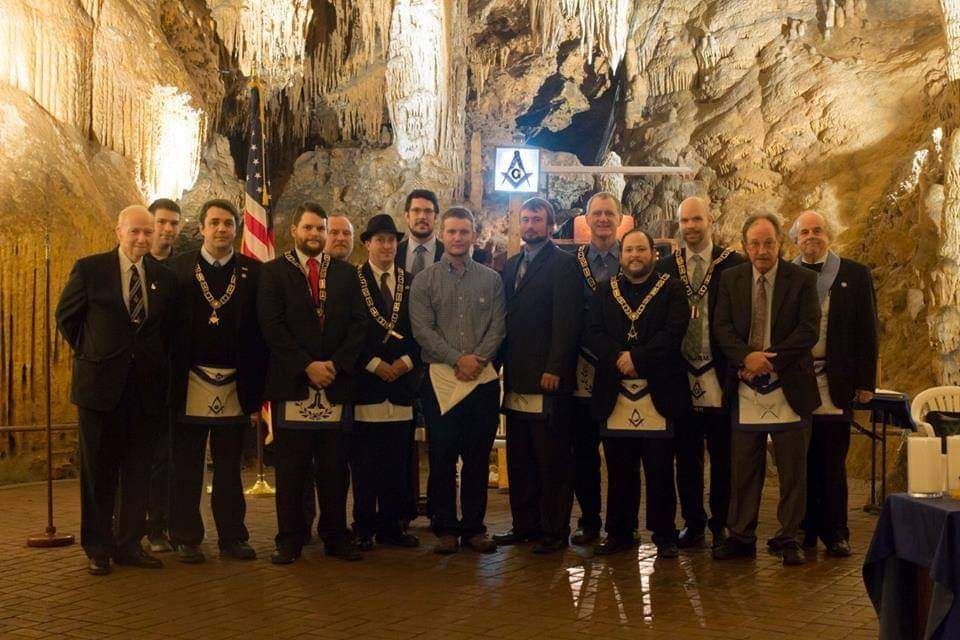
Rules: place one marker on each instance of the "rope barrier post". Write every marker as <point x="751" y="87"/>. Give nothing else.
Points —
<point x="50" y="537"/>
<point x="261" y="487"/>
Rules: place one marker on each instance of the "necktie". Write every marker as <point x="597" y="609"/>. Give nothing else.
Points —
<point x="137" y="309"/>
<point x="313" y="277"/>
<point x="385" y="292"/>
<point x="817" y="266"/>
<point x="521" y="271"/>
<point x="758" y="323"/>
<point x="693" y="341"/>
<point x="216" y="264"/>
<point x="600" y="272"/>
<point x="419" y="259"/>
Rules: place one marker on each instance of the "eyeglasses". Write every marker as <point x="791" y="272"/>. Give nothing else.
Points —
<point x="417" y="210"/>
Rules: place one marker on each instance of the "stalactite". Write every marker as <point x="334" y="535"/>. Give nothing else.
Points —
<point x="45" y="51"/>
<point x="603" y="24"/>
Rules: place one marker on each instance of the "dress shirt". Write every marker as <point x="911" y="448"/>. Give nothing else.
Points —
<point x="771" y="277"/>
<point x="125" y="264"/>
<point x="428" y="256"/>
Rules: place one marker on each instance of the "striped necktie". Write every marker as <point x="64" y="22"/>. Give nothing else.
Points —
<point x="138" y="312"/>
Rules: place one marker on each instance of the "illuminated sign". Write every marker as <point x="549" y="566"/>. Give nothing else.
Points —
<point x="517" y="170"/>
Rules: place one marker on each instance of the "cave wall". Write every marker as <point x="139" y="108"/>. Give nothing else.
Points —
<point x="845" y="106"/>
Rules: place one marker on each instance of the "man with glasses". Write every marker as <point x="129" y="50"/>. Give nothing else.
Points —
<point x="767" y="321"/>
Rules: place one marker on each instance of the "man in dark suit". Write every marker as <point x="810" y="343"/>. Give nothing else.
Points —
<point x="635" y="324"/>
<point x="540" y="359"/>
<point x="767" y="318"/>
<point x="845" y="359"/>
<point x="698" y="265"/>
<point x="383" y="414"/>
<point x="218" y="366"/>
<point x="166" y="229"/>
<point x="598" y="261"/>
<point x="115" y="313"/>
<point x="414" y="253"/>
<point x="422" y="248"/>
<point x="314" y="322"/>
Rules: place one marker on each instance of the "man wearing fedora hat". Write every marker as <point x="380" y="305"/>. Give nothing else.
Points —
<point x="383" y="413"/>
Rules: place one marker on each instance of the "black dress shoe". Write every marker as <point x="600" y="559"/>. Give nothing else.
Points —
<point x="690" y="538"/>
<point x="776" y="545"/>
<point x="719" y="535"/>
<point x="732" y="548"/>
<point x="512" y="537"/>
<point x="190" y="554"/>
<point x="98" y="565"/>
<point x="345" y="550"/>
<point x="793" y="554"/>
<point x="405" y="540"/>
<point x="809" y="541"/>
<point x="365" y="543"/>
<point x="284" y="555"/>
<point x="668" y="550"/>
<point x="548" y="545"/>
<point x="839" y="549"/>
<point x="138" y="558"/>
<point x="585" y="536"/>
<point x="238" y="551"/>
<point x="613" y="545"/>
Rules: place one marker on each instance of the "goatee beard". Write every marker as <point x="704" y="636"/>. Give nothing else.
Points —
<point x="421" y="236"/>
<point x="310" y="252"/>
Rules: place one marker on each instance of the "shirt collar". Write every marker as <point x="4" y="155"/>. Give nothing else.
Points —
<point x="210" y="259"/>
<point x="821" y="261"/>
<point x="769" y="275"/>
<point x="377" y="272"/>
<point x="706" y="254"/>
<point x="531" y="251"/>
<point x="430" y="245"/>
<point x="126" y="263"/>
<point x="445" y="259"/>
<point x="614" y="250"/>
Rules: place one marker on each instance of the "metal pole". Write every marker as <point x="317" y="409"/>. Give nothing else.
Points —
<point x="261" y="487"/>
<point x="50" y="537"/>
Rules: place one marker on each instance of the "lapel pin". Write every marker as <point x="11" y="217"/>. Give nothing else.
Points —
<point x="153" y="286"/>
<point x="843" y="284"/>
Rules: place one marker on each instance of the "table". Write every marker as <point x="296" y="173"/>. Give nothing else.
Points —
<point x="917" y="540"/>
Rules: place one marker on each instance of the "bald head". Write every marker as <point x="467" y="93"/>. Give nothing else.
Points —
<point x="135" y="231"/>
<point x="812" y="233"/>
<point x="695" y="221"/>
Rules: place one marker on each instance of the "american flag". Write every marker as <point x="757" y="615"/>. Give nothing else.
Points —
<point x="257" y="230"/>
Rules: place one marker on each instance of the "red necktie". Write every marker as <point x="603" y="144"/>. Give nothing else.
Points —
<point x="313" y="277"/>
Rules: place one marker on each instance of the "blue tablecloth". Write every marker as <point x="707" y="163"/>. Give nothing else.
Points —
<point x="924" y="532"/>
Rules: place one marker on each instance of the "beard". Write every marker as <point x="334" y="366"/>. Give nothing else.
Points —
<point x="310" y="249"/>
<point x="637" y="271"/>
<point x="420" y="234"/>
<point x="534" y="239"/>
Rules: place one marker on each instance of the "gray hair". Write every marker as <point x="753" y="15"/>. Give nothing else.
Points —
<point x="754" y="218"/>
<point x="604" y="195"/>
<point x="794" y="231"/>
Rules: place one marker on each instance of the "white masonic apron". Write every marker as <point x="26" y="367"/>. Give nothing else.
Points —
<point x="634" y="413"/>
<point x="762" y="406"/>
<point x="212" y="396"/>
<point x="316" y="411"/>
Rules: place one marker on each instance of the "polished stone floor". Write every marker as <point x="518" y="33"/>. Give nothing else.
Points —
<point x="416" y="594"/>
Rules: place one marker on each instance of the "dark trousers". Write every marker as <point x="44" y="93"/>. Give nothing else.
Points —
<point x="688" y="441"/>
<point x="748" y="472"/>
<point x="624" y="456"/>
<point x="586" y="474"/>
<point x="301" y="454"/>
<point x="380" y="466"/>
<point x="826" y="516"/>
<point x="161" y="482"/>
<point x="115" y="452"/>
<point x="466" y="432"/>
<point x="540" y="465"/>
<point x="227" y="501"/>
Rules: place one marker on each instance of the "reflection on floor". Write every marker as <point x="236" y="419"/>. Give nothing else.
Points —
<point x="416" y="594"/>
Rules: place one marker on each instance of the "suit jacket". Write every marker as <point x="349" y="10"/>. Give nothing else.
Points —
<point x="401" y="259"/>
<point x="794" y="327"/>
<point x="292" y="330"/>
<point x="656" y="354"/>
<point x="852" y="346"/>
<point x="251" y="350"/>
<point x="543" y="325"/>
<point x="373" y="390"/>
<point x="669" y="265"/>
<point x="107" y="347"/>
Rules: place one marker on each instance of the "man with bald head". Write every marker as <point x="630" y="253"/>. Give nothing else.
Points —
<point x="845" y="360"/>
<point x="115" y="313"/>
<point x="698" y="264"/>
<point x="339" y="237"/>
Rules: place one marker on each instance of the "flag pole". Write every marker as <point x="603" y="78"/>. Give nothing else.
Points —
<point x="50" y="537"/>
<point x="261" y="487"/>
